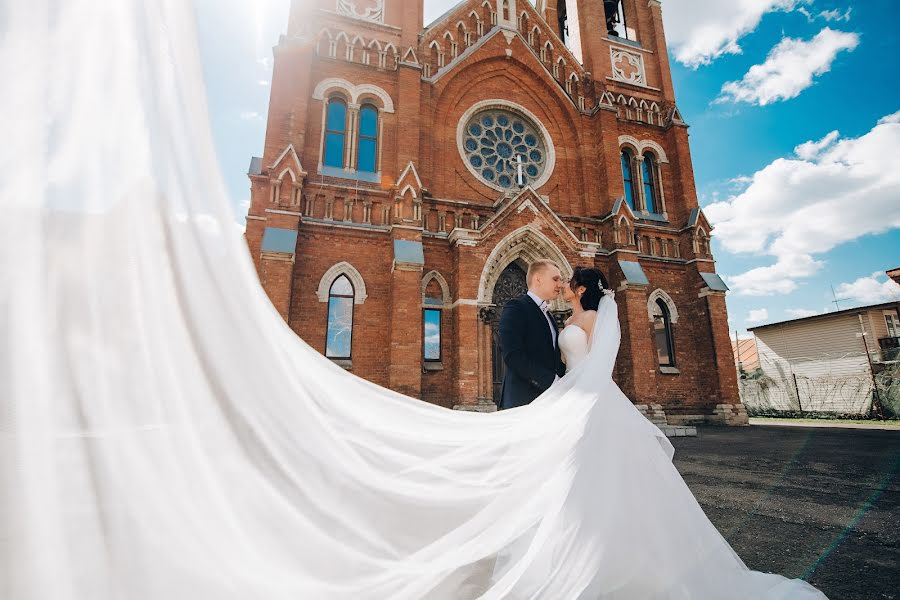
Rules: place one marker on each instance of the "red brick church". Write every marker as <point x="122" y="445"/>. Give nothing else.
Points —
<point x="411" y="175"/>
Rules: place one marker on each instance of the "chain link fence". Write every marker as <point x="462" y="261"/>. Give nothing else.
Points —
<point x="829" y="385"/>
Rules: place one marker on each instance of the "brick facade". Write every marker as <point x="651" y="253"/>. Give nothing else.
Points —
<point x="422" y="218"/>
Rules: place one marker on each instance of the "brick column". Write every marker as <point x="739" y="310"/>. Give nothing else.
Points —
<point x="405" y="350"/>
<point x="729" y="409"/>
<point x="638" y="379"/>
<point x="470" y="356"/>
<point x="611" y="164"/>
<point x="660" y="50"/>
<point x="275" y="261"/>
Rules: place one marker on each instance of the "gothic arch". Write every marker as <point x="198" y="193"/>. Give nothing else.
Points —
<point x="342" y="268"/>
<point x="445" y="289"/>
<point x="354" y="92"/>
<point x="659" y="294"/>
<point x="527" y="244"/>
<point x="409" y="188"/>
<point x="287" y="171"/>
<point x="640" y="145"/>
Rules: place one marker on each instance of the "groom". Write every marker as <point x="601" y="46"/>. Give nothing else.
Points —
<point x="528" y="338"/>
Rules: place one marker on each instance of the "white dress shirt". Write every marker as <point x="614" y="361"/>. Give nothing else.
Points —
<point x="547" y="317"/>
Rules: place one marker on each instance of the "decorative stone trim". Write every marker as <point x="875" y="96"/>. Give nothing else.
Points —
<point x="526" y="243"/>
<point x="640" y="145"/>
<point x="659" y="294"/>
<point x="355" y="92"/>
<point x="627" y="66"/>
<point x="342" y="268"/>
<point x="373" y="13"/>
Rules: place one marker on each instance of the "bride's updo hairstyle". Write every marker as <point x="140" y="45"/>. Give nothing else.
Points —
<point x="593" y="281"/>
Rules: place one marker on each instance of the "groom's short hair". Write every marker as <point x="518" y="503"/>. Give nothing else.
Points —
<point x="537" y="266"/>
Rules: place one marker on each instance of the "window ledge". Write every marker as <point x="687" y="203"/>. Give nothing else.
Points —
<point x="348" y="174"/>
<point x="669" y="371"/>
<point x="649" y="216"/>
<point x="433" y="366"/>
<point x="345" y="363"/>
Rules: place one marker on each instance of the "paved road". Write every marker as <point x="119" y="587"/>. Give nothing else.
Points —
<point x="821" y="504"/>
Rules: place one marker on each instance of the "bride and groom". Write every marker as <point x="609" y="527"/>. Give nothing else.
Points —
<point x="535" y="353"/>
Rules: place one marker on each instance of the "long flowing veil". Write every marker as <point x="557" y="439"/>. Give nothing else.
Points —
<point x="164" y="435"/>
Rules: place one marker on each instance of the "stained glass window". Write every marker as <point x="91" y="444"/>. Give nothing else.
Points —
<point x="368" y="139"/>
<point x="649" y="182"/>
<point x="628" y="178"/>
<point x="335" y="128"/>
<point x="339" y="332"/>
<point x="494" y="142"/>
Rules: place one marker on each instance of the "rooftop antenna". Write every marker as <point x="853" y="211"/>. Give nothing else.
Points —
<point x="836" y="299"/>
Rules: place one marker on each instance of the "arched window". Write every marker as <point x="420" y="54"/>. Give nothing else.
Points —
<point x="648" y="168"/>
<point x="662" y="334"/>
<point x="335" y="132"/>
<point x="627" y="161"/>
<point x="368" y="139"/>
<point x="339" y="331"/>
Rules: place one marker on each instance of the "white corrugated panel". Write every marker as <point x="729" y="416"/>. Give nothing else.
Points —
<point x="828" y="359"/>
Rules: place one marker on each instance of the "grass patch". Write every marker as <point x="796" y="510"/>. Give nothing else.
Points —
<point x="826" y="420"/>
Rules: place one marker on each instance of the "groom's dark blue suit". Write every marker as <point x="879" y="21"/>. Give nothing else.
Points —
<point x="532" y="359"/>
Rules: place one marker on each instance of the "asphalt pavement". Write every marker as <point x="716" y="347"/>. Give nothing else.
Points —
<point x="821" y="504"/>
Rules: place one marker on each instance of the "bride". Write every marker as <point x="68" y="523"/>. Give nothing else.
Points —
<point x="164" y="434"/>
<point x="583" y="292"/>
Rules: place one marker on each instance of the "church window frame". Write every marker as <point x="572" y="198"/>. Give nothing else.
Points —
<point x="663" y="335"/>
<point x="434" y="317"/>
<point x="335" y="132"/>
<point x="368" y="132"/>
<point x="435" y="300"/>
<point x="650" y="182"/>
<point x="628" y="163"/>
<point x="340" y="299"/>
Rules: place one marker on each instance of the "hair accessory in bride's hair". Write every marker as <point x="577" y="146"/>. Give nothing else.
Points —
<point x="605" y="291"/>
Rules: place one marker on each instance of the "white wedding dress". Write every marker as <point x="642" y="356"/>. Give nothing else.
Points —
<point x="573" y="344"/>
<point x="165" y="436"/>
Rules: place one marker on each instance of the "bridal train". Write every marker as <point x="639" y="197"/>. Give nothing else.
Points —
<point x="164" y="435"/>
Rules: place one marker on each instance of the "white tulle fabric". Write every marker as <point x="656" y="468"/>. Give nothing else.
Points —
<point x="164" y="435"/>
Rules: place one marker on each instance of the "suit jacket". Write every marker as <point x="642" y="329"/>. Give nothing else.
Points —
<point x="532" y="360"/>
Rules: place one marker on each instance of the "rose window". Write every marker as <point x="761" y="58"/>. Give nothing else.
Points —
<point x="495" y="142"/>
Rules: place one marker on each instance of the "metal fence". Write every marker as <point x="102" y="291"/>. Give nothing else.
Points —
<point x="846" y="385"/>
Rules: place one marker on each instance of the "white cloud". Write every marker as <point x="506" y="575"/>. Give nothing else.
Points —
<point x="810" y="150"/>
<point x="262" y="82"/>
<point x="698" y="31"/>
<point x="266" y="62"/>
<point x="891" y="118"/>
<point x="789" y="68"/>
<point x="835" y="15"/>
<point x="250" y="115"/>
<point x="757" y="315"/>
<point x="873" y="289"/>
<point x="795" y="209"/>
<point x="799" y="313"/>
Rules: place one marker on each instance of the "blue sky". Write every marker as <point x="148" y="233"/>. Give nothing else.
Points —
<point x="763" y="85"/>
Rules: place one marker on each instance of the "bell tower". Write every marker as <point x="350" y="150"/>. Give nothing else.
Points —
<point x="616" y="40"/>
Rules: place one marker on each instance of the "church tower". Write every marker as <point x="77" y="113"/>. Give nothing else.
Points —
<point x="411" y="173"/>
